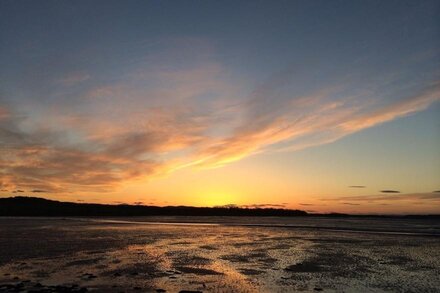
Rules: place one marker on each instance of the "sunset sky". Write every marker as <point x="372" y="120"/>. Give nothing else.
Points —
<point x="325" y="106"/>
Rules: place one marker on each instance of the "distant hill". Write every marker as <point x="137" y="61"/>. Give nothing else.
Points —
<point x="23" y="206"/>
<point x="40" y="207"/>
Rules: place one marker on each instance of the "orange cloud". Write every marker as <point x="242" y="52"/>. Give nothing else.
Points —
<point x="415" y="197"/>
<point x="398" y="109"/>
<point x="160" y="121"/>
<point x="308" y="121"/>
<point x="3" y="113"/>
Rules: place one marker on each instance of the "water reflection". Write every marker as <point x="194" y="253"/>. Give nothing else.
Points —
<point x="120" y="256"/>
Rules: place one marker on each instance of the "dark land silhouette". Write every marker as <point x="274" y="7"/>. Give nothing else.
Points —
<point x="40" y="207"/>
<point x="34" y="206"/>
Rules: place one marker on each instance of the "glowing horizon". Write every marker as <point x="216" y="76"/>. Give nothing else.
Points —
<point x="162" y="104"/>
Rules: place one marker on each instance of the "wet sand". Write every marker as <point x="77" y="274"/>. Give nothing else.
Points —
<point x="83" y="255"/>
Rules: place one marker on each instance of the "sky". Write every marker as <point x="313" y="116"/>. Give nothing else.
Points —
<point x="324" y="106"/>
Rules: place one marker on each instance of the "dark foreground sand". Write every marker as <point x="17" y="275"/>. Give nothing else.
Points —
<point x="66" y="255"/>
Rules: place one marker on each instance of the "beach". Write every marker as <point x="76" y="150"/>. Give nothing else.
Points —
<point x="218" y="254"/>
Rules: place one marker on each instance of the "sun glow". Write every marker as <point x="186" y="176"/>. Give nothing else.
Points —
<point x="216" y="198"/>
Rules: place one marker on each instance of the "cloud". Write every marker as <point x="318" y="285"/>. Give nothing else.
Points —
<point x="357" y="186"/>
<point x="351" y="204"/>
<point x="413" y="197"/>
<point x="151" y="122"/>
<point x="255" y="206"/>
<point x="36" y="161"/>
<point x="263" y="206"/>
<point x="57" y="169"/>
<point x="74" y="78"/>
<point x="4" y="113"/>
<point x="395" y="110"/>
<point x="389" y="191"/>
<point x="301" y="121"/>
<point x="105" y="142"/>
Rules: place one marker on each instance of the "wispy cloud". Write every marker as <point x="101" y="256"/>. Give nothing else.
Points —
<point x="303" y="121"/>
<point x="4" y="113"/>
<point x="413" y="197"/>
<point x="263" y="206"/>
<point x="97" y="148"/>
<point x="37" y="162"/>
<point x="74" y="78"/>
<point x="152" y="122"/>
<point x="255" y="206"/>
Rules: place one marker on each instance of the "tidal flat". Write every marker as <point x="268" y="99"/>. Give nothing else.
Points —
<point x="184" y="254"/>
